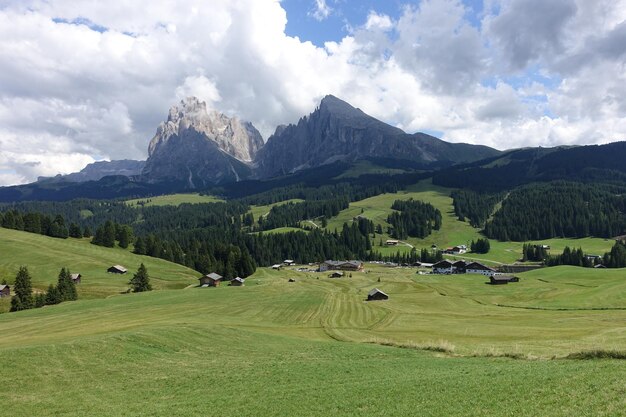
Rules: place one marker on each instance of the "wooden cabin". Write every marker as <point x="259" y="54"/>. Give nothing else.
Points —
<point x="76" y="278"/>
<point x="459" y="267"/>
<point x="443" y="267"/>
<point x="210" y="280"/>
<point x="237" y="282"/>
<point x="502" y="279"/>
<point x="478" y="268"/>
<point x="117" y="269"/>
<point x="341" y="266"/>
<point x="336" y="275"/>
<point x="5" y="291"/>
<point x="376" y="294"/>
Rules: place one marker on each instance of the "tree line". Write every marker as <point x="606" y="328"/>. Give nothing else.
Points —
<point x="64" y="290"/>
<point x="473" y="206"/>
<point x="291" y="214"/>
<point x="413" y="218"/>
<point x="559" y="209"/>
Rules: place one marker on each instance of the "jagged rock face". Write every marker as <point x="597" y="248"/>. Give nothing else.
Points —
<point x="99" y="170"/>
<point x="337" y="131"/>
<point x="200" y="147"/>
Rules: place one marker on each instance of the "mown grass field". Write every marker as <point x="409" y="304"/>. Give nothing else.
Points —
<point x="174" y="200"/>
<point x="45" y="256"/>
<point x="315" y="348"/>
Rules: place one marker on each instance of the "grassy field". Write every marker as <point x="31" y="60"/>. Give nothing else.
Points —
<point x="315" y="348"/>
<point x="260" y="211"/>
<point x="45" y="256"/>
<point x="367" y="167"/>
<point x="453" y="232"/>
<point x="174" y="200"/>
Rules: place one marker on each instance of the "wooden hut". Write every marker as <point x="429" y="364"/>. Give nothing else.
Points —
<point x="5" y="291"/>
<point x="117" y="269"/>
<point x="336" y="275"/>
<point x="210" y="280"/>
<point x="237" y="282"/>
<point x="502" y="279"/>
<point x="376" y="294"/>
<point x="76" y="278"/>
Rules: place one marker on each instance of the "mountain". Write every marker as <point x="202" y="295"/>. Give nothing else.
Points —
<point x="336" y="131"/>
<point x="591" y="163"/>
<point x="99" y="170"/>
<point x="196" y="147"/>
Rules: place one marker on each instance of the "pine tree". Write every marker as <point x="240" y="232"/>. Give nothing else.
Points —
<point x="53" y="296"/>
<point x="40" y="300"/>
<point x="23" y="298"/>
<point x="140" y="246"/>
<point x="66" y="287"/>
<point x="75" y="231"/>
<point x="87" y="232"/>
<point x="124" y="236"/>
<point x="108" y="238"/>
<point x="141" y="281"/>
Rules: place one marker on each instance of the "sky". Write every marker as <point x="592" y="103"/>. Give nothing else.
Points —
<point x="82" y="81"/>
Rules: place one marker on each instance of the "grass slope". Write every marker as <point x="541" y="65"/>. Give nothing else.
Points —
<point x="453" y="232"/>
<point x="45" y="256"/>
<point x="277" y="348"/>
<point x="174" y="200"/>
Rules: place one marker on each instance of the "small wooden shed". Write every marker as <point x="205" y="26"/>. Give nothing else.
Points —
<point x="336" y="275"/>
<point x="76" y="278"/>
<point x="5" y="291"/>
<point x="117" y="269"/>
<point x="502" y="279"/>
<point x="376" y="294"/>
<point x="210" y="280"/>
<point x="237" y="282"/>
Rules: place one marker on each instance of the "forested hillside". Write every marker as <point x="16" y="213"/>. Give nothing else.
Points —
<point x="560" y="209"/>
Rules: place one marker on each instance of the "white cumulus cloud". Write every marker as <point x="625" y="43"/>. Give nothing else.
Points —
<point x="83" y="80"/>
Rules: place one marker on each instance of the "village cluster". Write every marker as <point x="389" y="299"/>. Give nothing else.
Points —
<point x="339" y="269"/>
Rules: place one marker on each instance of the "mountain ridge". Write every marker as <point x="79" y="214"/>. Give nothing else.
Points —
<point x="337" y="131"/>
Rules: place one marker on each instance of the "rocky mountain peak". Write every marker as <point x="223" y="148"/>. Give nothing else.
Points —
<point x="238" y="138"/>
<point x="337" y="106"/>
<point x="194" y="141"/>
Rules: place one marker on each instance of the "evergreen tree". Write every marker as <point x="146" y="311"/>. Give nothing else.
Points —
<point x="75" y="231"/>
<point x="141" y="281"/>
<point x="108" y="237"/>
<point x="124" y="236"/>
<point x="87" y="232"/>
<point x="23" y="298"/>
<point x="53" y="296"/>
<point x="66" y="287"/>
<point x="140" y="246"/>
<point x="40" y="300"/>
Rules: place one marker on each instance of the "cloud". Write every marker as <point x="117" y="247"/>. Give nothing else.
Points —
<point x="83" y="80"/>
<point x="321" y="10"/>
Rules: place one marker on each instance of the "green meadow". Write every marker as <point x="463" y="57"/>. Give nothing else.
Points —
<point x="45" y="256"/>
<point x="174" y="200"/>
<point x="440" y="346"/>
<point x="453" y="232"/>
<point x="260" y="211"/>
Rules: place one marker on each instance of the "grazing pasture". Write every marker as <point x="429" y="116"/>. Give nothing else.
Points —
<point x="45" y="256"/>
<point x="174" y="200"/>
<point x="441" y="345"/>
